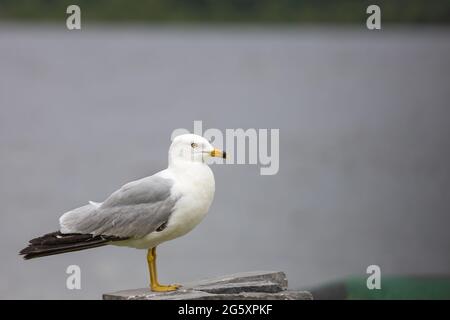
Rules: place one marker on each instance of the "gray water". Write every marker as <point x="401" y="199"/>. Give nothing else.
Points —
<point x="364" y="123"/>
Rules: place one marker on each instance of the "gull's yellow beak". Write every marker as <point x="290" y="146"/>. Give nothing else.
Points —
<point x="219" y="154"/>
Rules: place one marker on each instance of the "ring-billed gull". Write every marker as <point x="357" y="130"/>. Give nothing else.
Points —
<point x="144" y="213"/>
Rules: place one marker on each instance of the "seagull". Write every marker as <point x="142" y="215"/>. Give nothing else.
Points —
<point x="144" y="213"/>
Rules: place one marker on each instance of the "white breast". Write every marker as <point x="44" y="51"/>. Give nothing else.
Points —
<point x="195" y="186"/>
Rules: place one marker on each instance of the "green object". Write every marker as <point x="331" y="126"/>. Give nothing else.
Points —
<point x="394" y="288"/>
<point x="229" y="11"/>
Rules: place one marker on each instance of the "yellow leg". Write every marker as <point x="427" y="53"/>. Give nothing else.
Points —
<point x="154" y="284"/>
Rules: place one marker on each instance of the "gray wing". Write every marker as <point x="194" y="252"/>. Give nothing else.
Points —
<point x="135" y="210"/>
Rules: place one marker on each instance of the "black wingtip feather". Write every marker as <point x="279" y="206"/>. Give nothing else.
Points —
<point x="57" y="243"/>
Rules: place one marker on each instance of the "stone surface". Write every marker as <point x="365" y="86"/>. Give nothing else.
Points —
<point x="255" y="285"/>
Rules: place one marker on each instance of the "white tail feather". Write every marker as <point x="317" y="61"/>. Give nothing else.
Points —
<point x="95" y="204"/>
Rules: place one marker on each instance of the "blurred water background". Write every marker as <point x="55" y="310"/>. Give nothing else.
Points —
<point x="364" y="123"/>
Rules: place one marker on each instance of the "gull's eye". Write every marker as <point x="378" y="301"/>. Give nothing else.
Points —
<point x="194" y="145"/>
